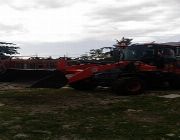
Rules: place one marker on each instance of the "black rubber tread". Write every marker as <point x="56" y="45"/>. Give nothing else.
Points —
<point x="86" y="84"/>
<point x="2" y="68"/>
<point x="174" y="84"/>
<point x="120" y="86"/>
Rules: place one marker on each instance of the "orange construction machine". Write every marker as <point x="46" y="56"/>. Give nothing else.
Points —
<point x="139" y="66"/>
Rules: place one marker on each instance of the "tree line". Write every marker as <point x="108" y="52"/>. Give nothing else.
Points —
<point x="107" y="52"/>
<point x="8" y="49"/>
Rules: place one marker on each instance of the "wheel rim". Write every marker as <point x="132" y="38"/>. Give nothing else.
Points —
<point x="134" y="86"/>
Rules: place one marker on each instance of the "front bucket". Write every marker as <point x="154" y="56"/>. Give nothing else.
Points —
<point x="36" y="78"/>
<point x="55" y="80"/>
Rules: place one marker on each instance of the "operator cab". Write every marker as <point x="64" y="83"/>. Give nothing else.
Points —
<point x="154" y="54"/>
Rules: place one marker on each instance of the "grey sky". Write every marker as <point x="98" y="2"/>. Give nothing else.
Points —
<point x="57" y="27"/>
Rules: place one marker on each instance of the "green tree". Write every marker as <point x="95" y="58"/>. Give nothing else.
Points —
<point x="7" y="49"/>
<point x="124" y="42"/>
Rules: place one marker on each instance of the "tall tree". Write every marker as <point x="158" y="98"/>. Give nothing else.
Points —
<point x="124" y="42"/>
<point x="7" y="49"/>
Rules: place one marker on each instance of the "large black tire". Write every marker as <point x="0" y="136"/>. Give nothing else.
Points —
<point x="174" y="84"/>
<point x="2" y="68"/>
<point x="86" y="84"/>
<point x="128" y="86"/>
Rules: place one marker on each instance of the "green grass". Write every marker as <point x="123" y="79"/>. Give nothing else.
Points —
<point x="46" y="114"/>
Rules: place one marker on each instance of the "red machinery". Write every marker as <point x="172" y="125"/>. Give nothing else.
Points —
<point x="140" y="66"/>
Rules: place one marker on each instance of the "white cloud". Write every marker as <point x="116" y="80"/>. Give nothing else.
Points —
<point x="78" y="20"/>
<point x="59" y="24"/>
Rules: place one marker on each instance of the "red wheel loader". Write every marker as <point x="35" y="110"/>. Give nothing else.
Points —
<point x="140" y="66"/>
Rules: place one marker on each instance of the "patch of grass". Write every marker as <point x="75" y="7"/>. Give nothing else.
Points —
<point x="46" y="114"/>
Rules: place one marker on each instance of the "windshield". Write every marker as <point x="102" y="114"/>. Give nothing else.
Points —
<point x="138" y="52"/>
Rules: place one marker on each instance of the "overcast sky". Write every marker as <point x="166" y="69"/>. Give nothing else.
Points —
<point x="72" y="27"/>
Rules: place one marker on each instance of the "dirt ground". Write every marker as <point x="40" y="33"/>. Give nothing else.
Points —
<point x="12" y="86"/>
<point x="58" y="114"/>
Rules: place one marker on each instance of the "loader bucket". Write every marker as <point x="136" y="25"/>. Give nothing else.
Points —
<point x="55" y="80"/>
<point x="36" y="78"/>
